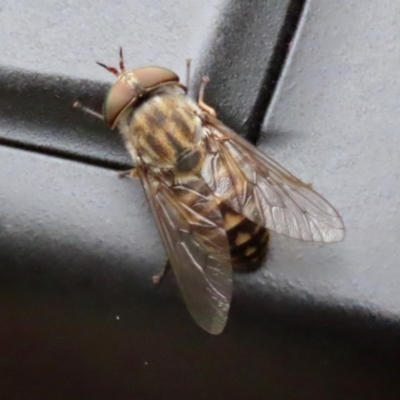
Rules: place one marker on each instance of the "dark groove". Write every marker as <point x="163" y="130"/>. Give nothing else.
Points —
<point x="254" y="123"/>
<point x="64" y="154"/>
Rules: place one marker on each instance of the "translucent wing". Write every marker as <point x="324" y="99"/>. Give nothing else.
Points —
<point x="257" y="187"/>
<point x="191" y="227"/>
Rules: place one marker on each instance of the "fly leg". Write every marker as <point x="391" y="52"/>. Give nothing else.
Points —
<point x="159" y="277"/>
<point x="187" y="81"/>
<point x="131" y="173"/>
<point x="202" y="105"/>
<point x="88" y="110"/>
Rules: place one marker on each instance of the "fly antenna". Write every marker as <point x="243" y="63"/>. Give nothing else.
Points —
<point x="121" y="60"/>
<point x="110" y="69"/>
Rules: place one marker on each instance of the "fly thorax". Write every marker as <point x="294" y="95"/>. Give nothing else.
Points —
<point x="167" y="134"/>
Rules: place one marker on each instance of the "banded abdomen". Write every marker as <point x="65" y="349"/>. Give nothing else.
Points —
<point x="248" y="241"/>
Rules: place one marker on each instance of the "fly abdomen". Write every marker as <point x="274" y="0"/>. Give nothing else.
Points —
<point x="248" y="241"/>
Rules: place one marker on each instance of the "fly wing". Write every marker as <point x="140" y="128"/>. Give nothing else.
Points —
<point x="191" y="228"/>
<point x="257" y="187"/>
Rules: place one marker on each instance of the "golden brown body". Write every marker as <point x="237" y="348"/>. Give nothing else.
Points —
<point x="168" y="135"/>
<point x="214" y="196"/>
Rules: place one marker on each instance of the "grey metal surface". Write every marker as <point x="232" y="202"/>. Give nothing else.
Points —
<point x="66" y="38"/>
<point x="334" y="122"/>
<point x="79" y="316"/>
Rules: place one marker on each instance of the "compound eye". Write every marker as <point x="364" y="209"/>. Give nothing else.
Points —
<point x="118" y="99"/>
<point x="150" y="77"/>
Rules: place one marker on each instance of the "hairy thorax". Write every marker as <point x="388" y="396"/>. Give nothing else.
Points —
<point x="165" y="133"/>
